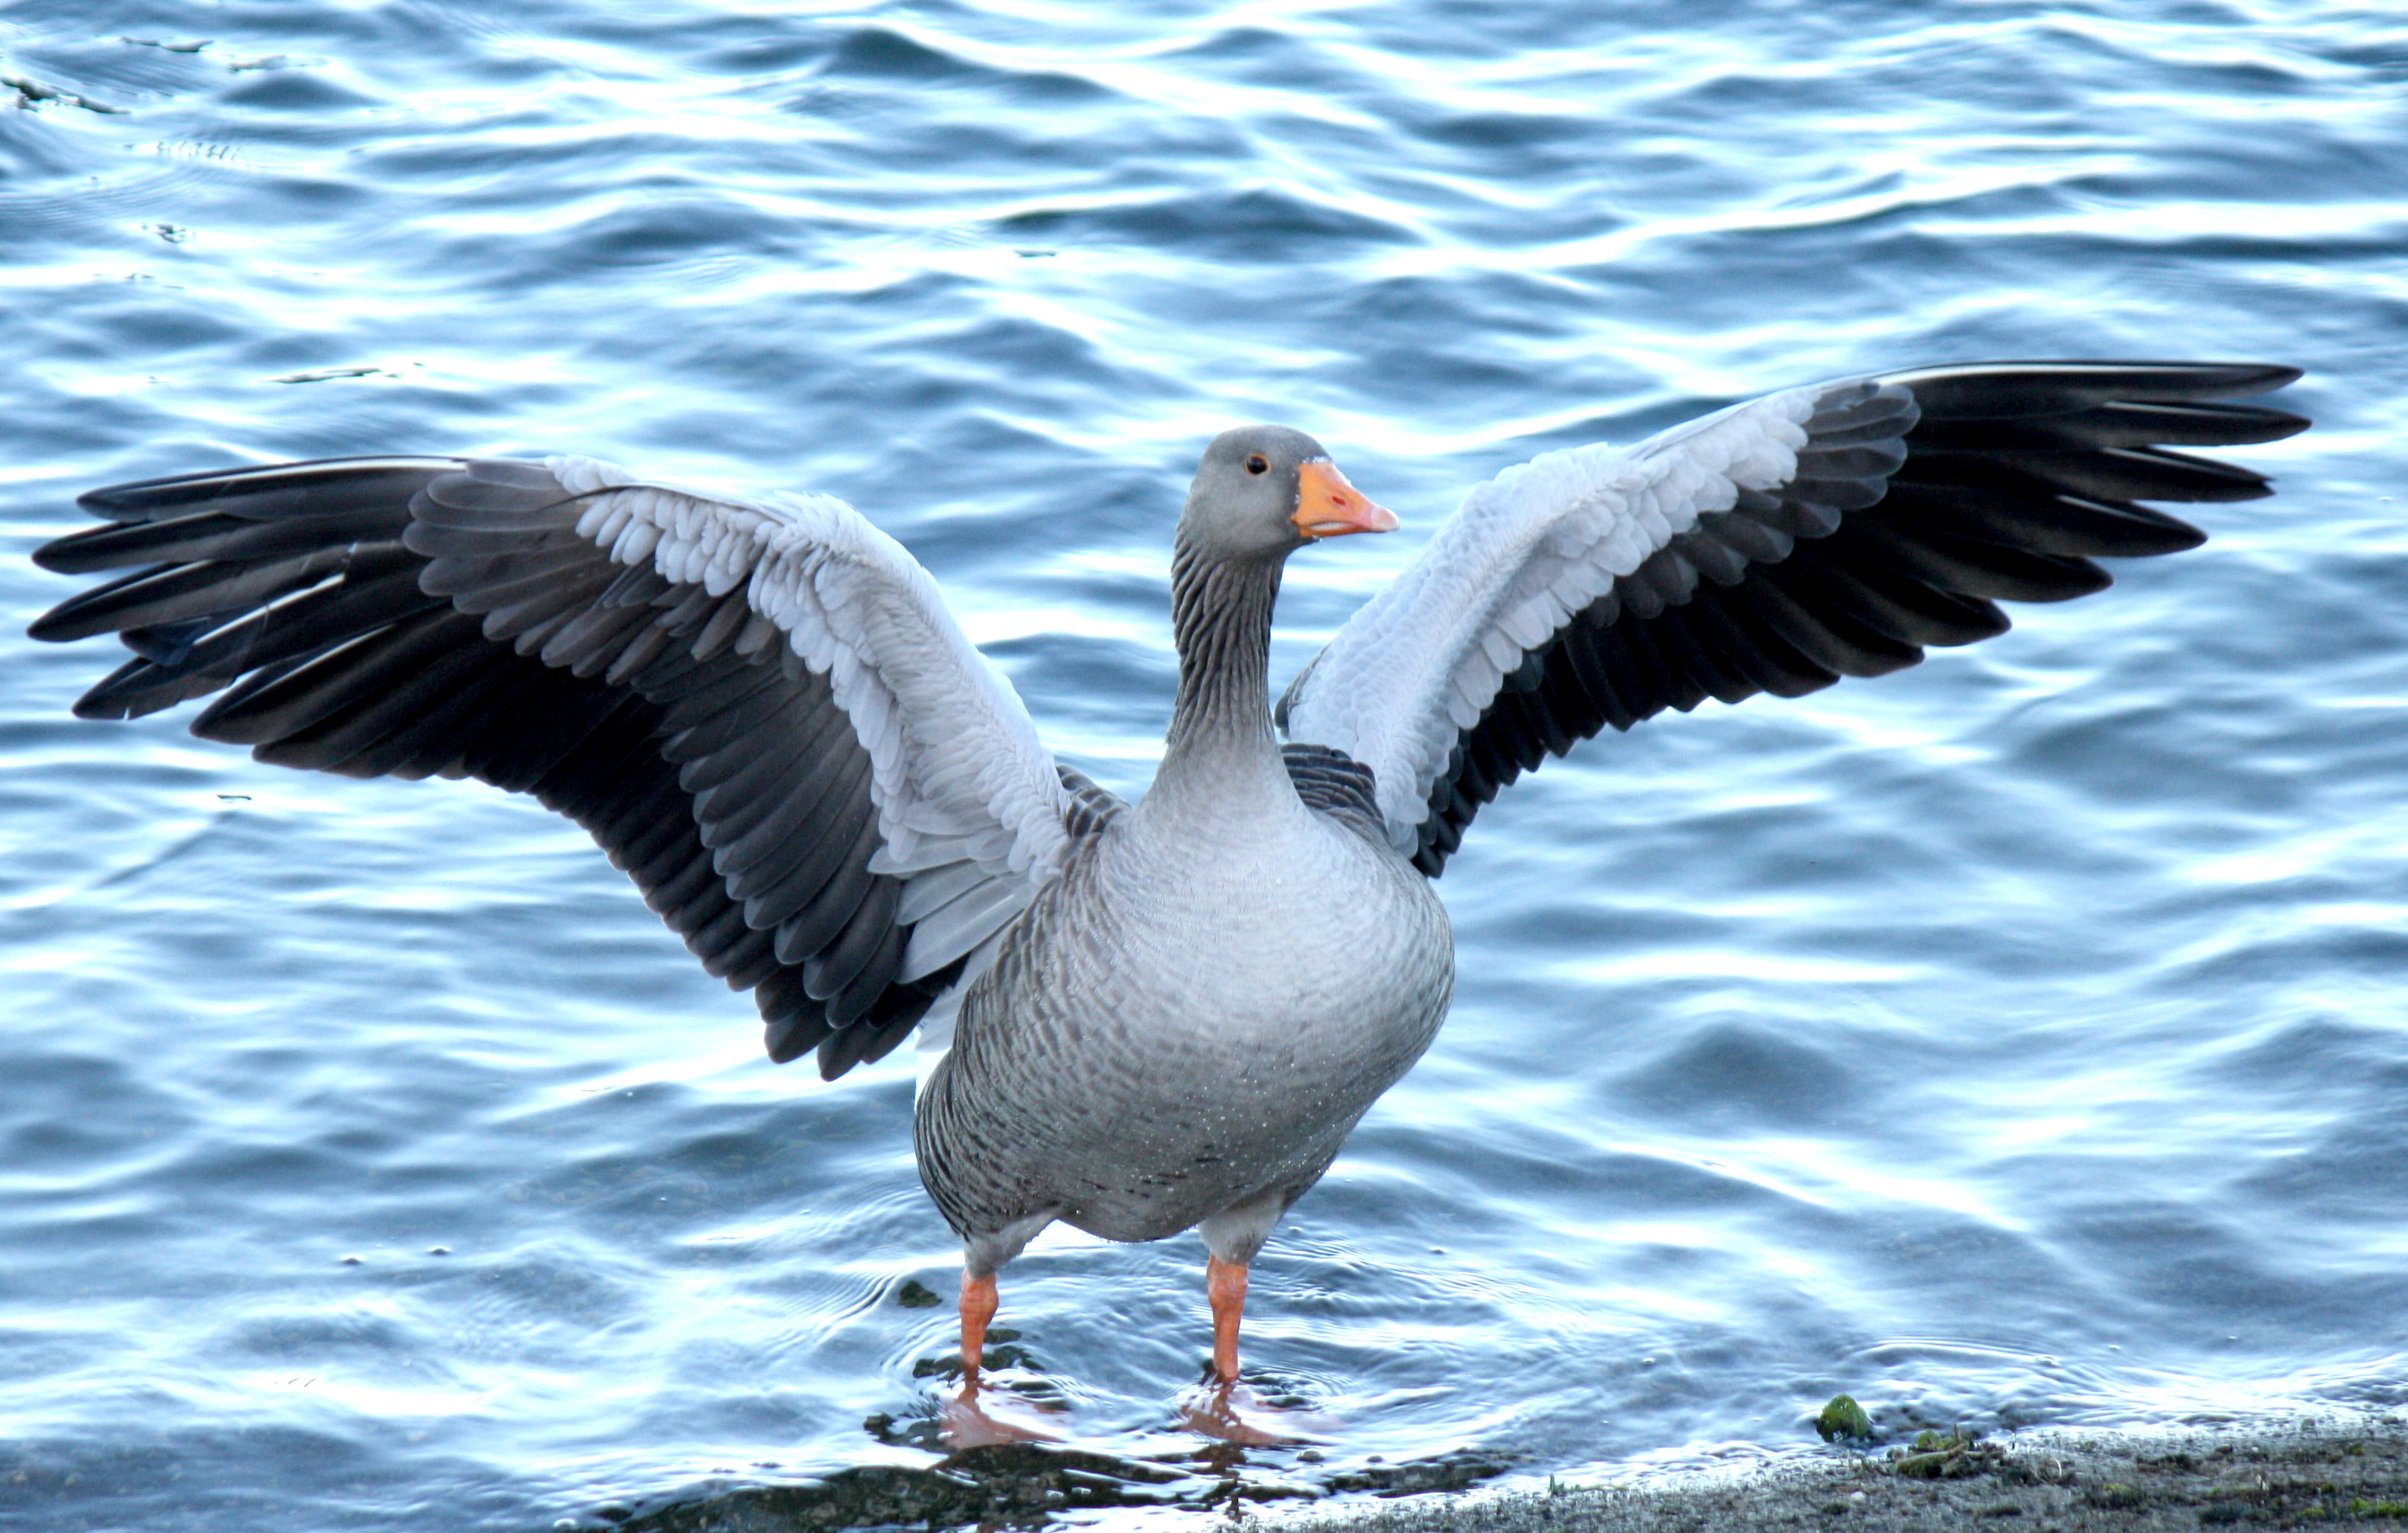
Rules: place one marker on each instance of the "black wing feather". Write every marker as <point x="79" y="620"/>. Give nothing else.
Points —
<point x="1913" y="509"/>
<point x="420" y="617"/>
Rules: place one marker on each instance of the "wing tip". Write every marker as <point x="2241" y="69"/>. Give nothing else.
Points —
<point x="1955" y="388"/>
<point x="146" y="500"/>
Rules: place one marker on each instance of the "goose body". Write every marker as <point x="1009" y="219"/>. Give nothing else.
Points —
<point x="1167" y="1041"/>
<point x="1168" y="1013"/>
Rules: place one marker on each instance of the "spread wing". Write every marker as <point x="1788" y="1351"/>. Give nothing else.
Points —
<point x="1777" y="546"/>
<point x="763" y="711"/>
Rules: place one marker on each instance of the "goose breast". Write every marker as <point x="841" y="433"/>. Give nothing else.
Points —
<point x="1165" y="1036"/>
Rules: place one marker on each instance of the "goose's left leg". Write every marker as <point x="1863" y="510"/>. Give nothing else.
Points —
<point x="978" y="1307"/>
<point x="1234" y="1237"/>
<point x="1227" y="1409"/>
<point x="1225" y="1282"/>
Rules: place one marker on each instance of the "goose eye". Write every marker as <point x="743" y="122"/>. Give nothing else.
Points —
<point x="1258" y="465"/>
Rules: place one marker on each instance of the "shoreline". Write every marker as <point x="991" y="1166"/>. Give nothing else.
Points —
<point x="2332" y="1469"/>
<point x="2338" y="1470"/>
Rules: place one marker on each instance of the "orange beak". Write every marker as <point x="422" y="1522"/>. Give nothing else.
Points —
<point x="1328" y="507"/>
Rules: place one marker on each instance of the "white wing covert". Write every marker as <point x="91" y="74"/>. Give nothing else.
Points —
<point x="1776" y="546"/>
<point x="969" y="801"/>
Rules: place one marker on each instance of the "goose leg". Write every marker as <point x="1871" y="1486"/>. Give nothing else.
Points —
<point x="1231" y="1238"/>
<point x="966" y="1425"/>
<point x="1226" y="1408"/>
<point x="1225" y="1282"/>
<point x="978" y="1307"/>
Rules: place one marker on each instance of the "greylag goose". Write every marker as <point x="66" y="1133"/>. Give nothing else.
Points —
<point x="1168" y="1013"/>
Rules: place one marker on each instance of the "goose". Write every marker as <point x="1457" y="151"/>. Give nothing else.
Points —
<point x="1167" y="1013"/>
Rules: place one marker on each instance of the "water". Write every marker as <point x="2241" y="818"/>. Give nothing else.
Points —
<point x="2017" y="1040"/>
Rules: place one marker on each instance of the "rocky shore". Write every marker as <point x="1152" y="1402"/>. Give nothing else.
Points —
<point x="2327" y="1473"/>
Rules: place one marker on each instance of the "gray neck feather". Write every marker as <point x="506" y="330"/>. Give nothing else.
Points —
<point x="1221" y="616"/>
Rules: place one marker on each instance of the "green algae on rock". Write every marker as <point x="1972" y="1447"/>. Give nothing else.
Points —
<point x="1844" y="1418"/>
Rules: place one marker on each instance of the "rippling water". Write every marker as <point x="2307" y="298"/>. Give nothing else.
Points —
<point x="2016" y="1040"/>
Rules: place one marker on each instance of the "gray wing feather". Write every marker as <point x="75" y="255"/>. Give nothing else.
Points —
<point x="663" y="667"/>
<point x="1777" y="546"/>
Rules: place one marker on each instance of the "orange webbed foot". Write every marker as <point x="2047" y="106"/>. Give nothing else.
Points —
<point x="1235" y="1413"/>
<point x="966" y="1422"/>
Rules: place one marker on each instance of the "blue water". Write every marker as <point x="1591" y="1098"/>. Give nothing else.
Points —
<point x="2015" y="1040"/>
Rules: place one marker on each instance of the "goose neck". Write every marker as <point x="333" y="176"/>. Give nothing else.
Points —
<point x="1220" y="615"/>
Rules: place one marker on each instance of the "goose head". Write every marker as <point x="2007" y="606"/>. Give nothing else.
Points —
<point x="1263" y="492"/>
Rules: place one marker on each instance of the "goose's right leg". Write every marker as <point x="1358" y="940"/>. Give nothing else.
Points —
<point x="966" y="1423"/>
